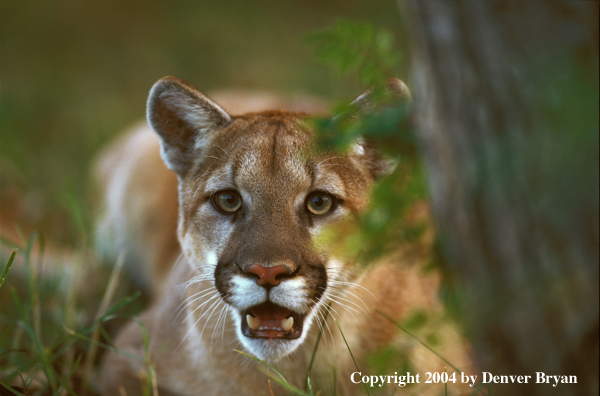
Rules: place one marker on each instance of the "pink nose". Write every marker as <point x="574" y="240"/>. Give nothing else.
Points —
<point x="267" y="275"/>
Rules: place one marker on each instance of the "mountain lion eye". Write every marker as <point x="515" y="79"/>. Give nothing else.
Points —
<point x="319" y="203"/>
<point x="227" y="202"/>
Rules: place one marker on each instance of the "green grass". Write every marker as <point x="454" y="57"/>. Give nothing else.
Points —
<point x="48" y="341"/>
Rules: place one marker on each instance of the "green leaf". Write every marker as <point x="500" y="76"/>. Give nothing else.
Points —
<point x="356" y="47"/>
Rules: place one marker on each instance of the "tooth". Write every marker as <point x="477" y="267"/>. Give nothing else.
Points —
<point x="253" y="322"/>
<point x="286" y="324"/>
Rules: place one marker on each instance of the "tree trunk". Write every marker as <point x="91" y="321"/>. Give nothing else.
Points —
<point x="507" y="118"/>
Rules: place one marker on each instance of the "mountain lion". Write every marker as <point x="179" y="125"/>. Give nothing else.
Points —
<point x="248" y="270"/>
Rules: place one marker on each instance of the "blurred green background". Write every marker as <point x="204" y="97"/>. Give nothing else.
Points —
<point x="73" y="74"/>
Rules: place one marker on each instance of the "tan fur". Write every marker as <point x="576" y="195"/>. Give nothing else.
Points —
<point x="133" y="182"/>
<point x="195" y="356"/>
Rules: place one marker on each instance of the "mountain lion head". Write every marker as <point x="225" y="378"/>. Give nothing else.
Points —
<point x="254" y="193"/>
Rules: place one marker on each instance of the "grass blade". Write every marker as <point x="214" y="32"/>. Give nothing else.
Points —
<point x="9" y="264"/>
<point x="10" y="389"/>
<point x="445" y="383"/>
<point x="43" y="354"/>
<point x="151" y="385"/>
<point x="32" y="376"/>
<point x="314" y="353"/>
<point x="8" y="242"/>
<point x="425" y="345"/>
<point x="310" y="389"/>
<point x="105" y="346"/>
<point x="264" y="364"/>
<point x="352" y="355"/>
<point x="418" y="340"/>
<point x="334" y="381"/>
<point x="64" y="382"/>
<point x="37" y="342"/>
<point x="284" y="384"/>
<point x="122" y="303"/>
<point x="275" y="376"/>
<point x="104" y="305"/>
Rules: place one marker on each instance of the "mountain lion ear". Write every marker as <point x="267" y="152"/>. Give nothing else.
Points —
<point x="184" y="119"/>
<point x="377" y="164"/>
<point x="394" y="93"/>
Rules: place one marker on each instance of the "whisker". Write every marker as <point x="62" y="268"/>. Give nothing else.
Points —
<point x="201" y="186"/>
<point x="338" y="295"/>
<point x="193" y="296"/>
<point x="356" y="285"/>
<point x="326" y="324"/>
<point x="176" y="264"/>
<point x="196" y="322"/>
<point x="224" y="322"/>
<point x="200" y="306"/>
<point x="327" y="159"/>
<point x="334" y="310"/>
<point x="341" y="295"/>
<point x="342" y="165"/>
<point x="185" y="303"/>
<point x="222" y="149"/>
<point x="219" y="318"/>
<point x="217" y="326"/>
<point x="347" y="308"/>
<point x="322" y="322"/>
<point x="216" y="304"/>
<point x="200" y="278"/>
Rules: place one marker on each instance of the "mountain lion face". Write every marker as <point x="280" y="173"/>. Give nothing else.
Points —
<point x="254" y="194"/>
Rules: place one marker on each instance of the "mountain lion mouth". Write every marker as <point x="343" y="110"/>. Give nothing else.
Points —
<point x="269" y="320"/>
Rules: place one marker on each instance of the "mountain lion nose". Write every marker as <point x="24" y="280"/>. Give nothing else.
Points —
<point x="268" y="275"/>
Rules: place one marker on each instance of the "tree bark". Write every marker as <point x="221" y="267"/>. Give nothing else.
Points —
<point x="507" y="119"/>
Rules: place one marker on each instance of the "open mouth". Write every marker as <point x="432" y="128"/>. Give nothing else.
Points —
<point x="270" y="320"/>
